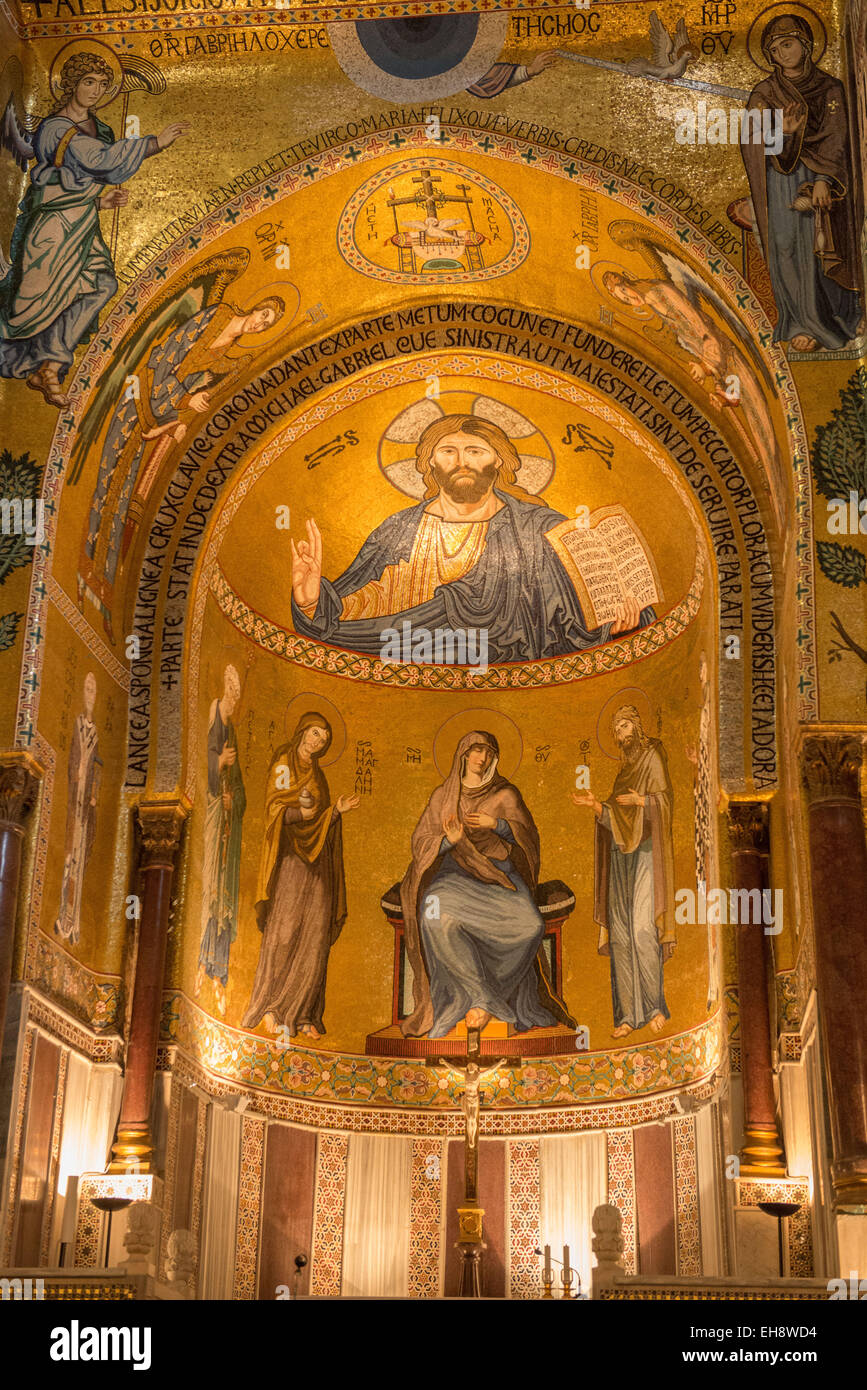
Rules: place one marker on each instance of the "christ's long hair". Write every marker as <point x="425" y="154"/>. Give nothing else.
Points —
<point x="494" y="437"/>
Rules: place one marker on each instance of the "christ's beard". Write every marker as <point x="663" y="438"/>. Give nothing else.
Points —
<point x="468" y="488"/>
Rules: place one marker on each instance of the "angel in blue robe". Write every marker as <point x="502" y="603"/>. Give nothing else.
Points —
<point x="61" y="273"/>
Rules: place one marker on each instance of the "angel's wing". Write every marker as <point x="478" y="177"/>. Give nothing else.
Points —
<point x="695" y="288"/>
<point x="133" y="351"/>
<point x="202" y="289"/>
<point x="681" y="37"/>
<point x="14" y="136"/>
<point x="15" y="127"/>
<point x="661" y="40"/>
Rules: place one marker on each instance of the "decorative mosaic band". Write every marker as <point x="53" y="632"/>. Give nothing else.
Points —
<point x="621" y="1189"/>
<point x="170" y="1174"/>
<point x="427" y="1181"/>
<point x="333" y="661"/>
<point x="188" y="14"/>
<point x="686" y="1196"/>
<point x="47" y="1015"/>
<point x="524" y="1218"/>
<point x="574" y="1080"/>
<point x="17" y="1136"/>
<point x="444" y="1124"/>
<point x="54" y="1158"/>
<point x="249" y="1208"/>
<point x="327" y="1262"/>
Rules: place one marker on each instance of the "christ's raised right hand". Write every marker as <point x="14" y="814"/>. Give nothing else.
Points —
<point x="307" y="567"/>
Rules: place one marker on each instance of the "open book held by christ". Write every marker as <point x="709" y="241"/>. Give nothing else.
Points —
<point x="606" y="559"/>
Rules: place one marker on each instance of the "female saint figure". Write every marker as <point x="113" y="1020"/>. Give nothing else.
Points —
<point x="61" y="272"/>
<point x="473" y="930"/>
<point x="301" y="897"/>
<point x="803" y="196"/>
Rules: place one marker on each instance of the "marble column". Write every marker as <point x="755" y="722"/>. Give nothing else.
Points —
<point x="19" y="785"/>
<point x="830" y="768"/>
<point x="160" y="823"/>
<point x="762" y="1151"/>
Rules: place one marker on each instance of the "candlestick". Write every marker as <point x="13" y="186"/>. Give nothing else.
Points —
<point x="548" y="1272"/>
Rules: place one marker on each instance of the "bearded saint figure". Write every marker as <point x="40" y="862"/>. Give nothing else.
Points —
<point x="473" y="930"/>
<point x="634" y="880"/>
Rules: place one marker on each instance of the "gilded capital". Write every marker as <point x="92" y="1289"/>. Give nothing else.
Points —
<point x="19" y="786"/>
<point x="831" y="767"/>
<point x="160" y="825"/>
<point x="748" y="827"/>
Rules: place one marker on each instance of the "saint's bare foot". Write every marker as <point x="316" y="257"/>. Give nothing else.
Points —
<point x="621" y="1030"/>
<point x="656" y="1023"/>
<point x="477" y="1018"/>
<point x="801" y="343"/>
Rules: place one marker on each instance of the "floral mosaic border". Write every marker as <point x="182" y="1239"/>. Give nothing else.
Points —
<point x="625" y="1074"/>
<point x="309" y="1114"/>
<point x="334" y="661"/>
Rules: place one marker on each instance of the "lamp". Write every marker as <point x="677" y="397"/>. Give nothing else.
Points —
<point x="109" y="1205"/>
<point x="780" y="1210"/>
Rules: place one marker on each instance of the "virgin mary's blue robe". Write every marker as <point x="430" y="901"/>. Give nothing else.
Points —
<point x="519" y="591"/>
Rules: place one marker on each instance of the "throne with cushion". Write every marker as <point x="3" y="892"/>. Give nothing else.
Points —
<point x="555" y="901"/>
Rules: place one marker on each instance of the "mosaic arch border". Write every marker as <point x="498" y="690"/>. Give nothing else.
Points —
<point x="279" y="13"/>
<point x="377" y="1118"/>
<point x="336" y="661"/>
<point x="581" y="1082"/>
<point x="253" y="201"/>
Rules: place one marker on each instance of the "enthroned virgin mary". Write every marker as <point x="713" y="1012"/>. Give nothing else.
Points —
<point x="473" y="930"/>
<point x="301" y="894"/>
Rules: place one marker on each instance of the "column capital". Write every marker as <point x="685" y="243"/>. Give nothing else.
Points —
<point x="748" y="826"/>
<point x="160" y="824"/>
<point x="831" y="767"/>
<point x="20" y="776"/>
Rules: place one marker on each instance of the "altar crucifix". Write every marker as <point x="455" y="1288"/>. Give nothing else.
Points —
<point x="470" y="1214"/>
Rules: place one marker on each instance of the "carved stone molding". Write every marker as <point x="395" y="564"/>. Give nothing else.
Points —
<point x="19" y="786"/>
<point x="831" y="767"/>
<point x="160" y="824"/>
<point x="748" y="827"/>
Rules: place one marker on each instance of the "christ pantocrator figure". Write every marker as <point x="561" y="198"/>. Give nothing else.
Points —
<point x="473" y="554"/>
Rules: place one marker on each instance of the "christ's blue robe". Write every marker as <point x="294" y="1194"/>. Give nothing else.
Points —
<point x="518" y="591"/>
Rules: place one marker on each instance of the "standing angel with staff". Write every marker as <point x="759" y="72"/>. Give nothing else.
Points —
<point x="61" y="273"/>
